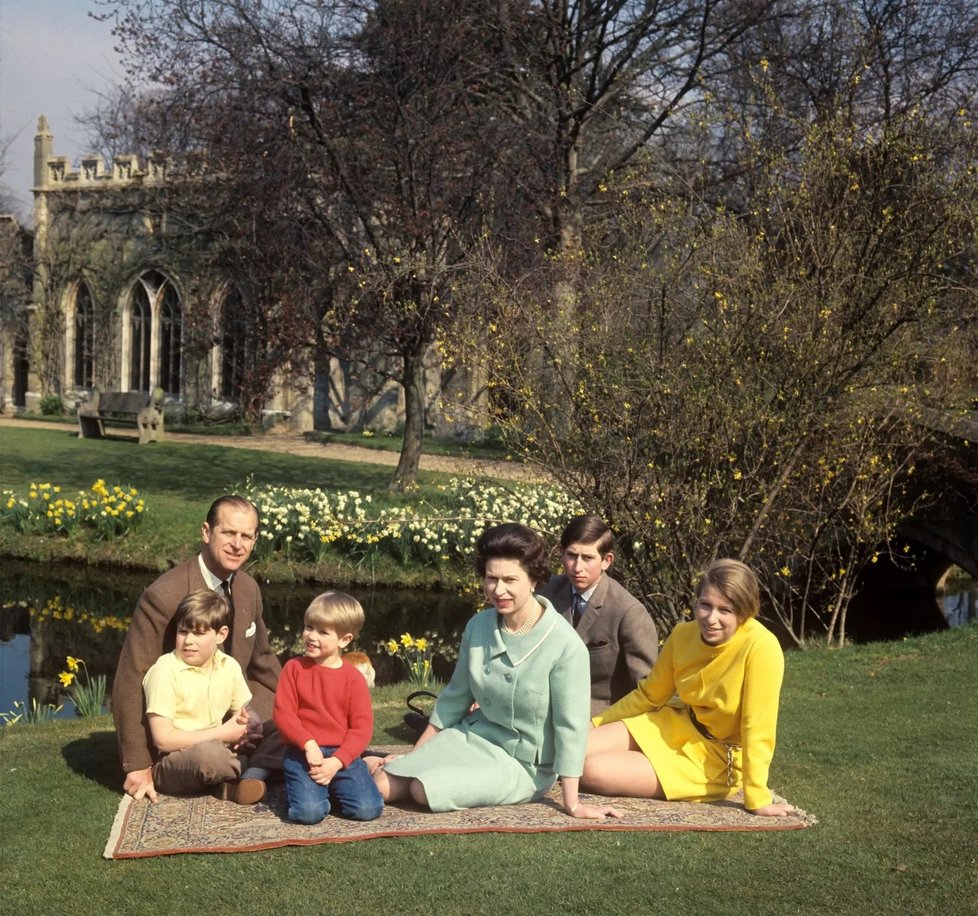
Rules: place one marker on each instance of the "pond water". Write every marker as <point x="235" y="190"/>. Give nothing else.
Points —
<point x="49" y="612"/>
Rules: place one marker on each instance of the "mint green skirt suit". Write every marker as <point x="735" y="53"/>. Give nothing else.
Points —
<point x="531" y="725"/>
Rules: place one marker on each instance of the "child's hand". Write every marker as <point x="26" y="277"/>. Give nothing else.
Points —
<point x="253" y="732"/>
<point x="234" y="730"/>
<point x="322" y="774"/>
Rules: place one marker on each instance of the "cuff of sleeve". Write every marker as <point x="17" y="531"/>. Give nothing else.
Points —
<point x="757" y="798"/>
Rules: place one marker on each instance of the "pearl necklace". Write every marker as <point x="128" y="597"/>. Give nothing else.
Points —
<point x="527" y="626"/>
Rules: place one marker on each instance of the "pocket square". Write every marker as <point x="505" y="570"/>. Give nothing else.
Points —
<point x="251" y="630"/>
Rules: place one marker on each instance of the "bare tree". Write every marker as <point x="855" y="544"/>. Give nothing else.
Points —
<point x="348" y="151"/>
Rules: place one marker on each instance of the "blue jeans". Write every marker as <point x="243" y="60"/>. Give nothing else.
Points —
<point x="352" y="790"/>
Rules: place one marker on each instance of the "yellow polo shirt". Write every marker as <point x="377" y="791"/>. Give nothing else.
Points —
<point x="193" y="697"/>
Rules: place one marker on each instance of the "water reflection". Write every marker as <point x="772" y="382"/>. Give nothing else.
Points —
<point x="48" y="613"/>
<point x="962" y="607"/>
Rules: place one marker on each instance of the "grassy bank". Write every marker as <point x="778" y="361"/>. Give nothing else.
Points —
<point x="877" y="741"/>
<point x="179" y="480"/>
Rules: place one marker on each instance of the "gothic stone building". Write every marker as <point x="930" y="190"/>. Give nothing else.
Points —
<point x="117" y="277"/>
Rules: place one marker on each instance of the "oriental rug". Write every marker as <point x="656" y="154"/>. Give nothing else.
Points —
<point x="205" y="824"/>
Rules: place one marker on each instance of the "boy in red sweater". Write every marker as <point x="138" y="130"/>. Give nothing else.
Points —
<point x="323" y="711"/>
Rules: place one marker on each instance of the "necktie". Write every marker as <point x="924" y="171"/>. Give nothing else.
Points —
<point x="226" y="589"/>
<point x="580" y="606"/>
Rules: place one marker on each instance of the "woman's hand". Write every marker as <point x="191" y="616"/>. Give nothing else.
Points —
<point x="577" y="809"/>
<point x="593" y="812"/>
<point x="775" y="809"/>
<point x="375" y="763"/>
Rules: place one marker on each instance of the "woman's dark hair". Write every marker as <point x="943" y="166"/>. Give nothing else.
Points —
<point x="511" y="541"/>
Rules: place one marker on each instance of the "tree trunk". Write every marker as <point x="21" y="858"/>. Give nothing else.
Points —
<point x="407" y="466"/>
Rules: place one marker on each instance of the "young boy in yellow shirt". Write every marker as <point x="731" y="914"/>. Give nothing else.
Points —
<point x="196" y="699"/>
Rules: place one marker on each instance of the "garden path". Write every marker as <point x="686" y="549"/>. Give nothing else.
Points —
<point x="297" y="444"/>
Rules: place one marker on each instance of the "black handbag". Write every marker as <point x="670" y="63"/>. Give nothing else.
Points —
<point x="417" y="718"/>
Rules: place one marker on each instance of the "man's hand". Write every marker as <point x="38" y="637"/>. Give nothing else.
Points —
<point x="139" y="784"/>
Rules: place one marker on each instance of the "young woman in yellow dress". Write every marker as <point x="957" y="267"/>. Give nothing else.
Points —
<point x="726" y="669"/>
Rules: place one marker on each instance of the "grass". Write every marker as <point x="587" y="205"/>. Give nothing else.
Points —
<point x="179" y="481"/>
<point x="393" y="442"/>
<point x="489" y="450"/>
<point x="878" y="741"/>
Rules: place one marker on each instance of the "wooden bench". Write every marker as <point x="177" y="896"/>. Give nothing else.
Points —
<point x="123" y="408"/>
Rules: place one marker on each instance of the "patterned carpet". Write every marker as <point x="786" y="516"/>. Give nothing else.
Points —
<point x="205" y="824"/>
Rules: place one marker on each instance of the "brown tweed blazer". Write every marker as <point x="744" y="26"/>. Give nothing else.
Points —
<point x="153" y="633"/>
<point x="619" y="634"/>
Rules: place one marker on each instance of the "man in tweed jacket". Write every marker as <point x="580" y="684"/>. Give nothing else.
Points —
<point x="228" y="537"/>
<point x="616" y="627"/>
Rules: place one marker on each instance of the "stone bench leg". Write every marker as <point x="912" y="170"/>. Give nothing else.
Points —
<point x="149" y="422"/>
<point x="90" y="427"/>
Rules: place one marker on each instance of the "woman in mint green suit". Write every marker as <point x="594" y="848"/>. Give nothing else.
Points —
<point x="514" y="717"/>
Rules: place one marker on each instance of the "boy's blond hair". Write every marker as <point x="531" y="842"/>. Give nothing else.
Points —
<point x="339" y="611"/>
<point x="202" y="610"/>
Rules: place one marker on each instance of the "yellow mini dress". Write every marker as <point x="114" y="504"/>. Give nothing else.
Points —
<point x="732" y="690"/>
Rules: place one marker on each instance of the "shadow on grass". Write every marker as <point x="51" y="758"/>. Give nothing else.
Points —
<point x="96" y="758"/>
<point x="399" y="734"/>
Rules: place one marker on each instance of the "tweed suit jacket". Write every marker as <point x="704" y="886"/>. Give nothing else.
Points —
<point x="152" y="633"/>
<point x="618" y="631"/>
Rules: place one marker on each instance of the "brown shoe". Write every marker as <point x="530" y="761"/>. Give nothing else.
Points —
<point x="241" y="791"/>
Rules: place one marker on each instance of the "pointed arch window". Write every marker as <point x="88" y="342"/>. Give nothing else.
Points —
<point x="155" y="335"/>
<point x="140" y="338"/>
<point x="171" y="339"/>
<point x="84" y="355"/>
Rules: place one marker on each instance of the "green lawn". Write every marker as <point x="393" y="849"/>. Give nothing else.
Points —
<point x="179" y="481"/>
<point x="877" y="741"/>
